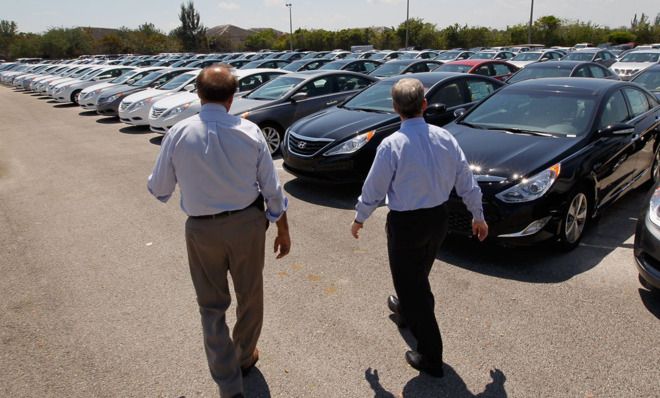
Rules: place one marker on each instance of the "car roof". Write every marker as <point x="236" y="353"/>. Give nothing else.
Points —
<point x="246" y="72"/>
<point x="408" y="61"/>
<point x="568" y="64"/>
<point x="307" y="74"/>
<point x="559" y="84"/>
<point x="429" y="79"/>
<point x="475" y="62"/>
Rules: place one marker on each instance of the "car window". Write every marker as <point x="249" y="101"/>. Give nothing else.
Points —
<point x="348" y="83"/>
<point x="582" y="71"/>
<point x="370" y="66"/>
<point x="483" y="70"/>
<point x="479" y="89"/>
<point x="615" y="111"/>
<point x="250" y="82"/>
<point x="431" y="65"/>
<point x="317" y="87"/>
<point x="501" y="69"/>
<point x="597" y="71"/>
<point x="637" y="100"/>
<point x="355" y="67"/>
<point x="450" y="95"/>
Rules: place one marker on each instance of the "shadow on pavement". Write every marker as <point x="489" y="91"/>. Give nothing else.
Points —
<point x="255" y="385"/>
<point x="52" y="101"/>
<point x="87" y="113"/>
<point x="135" y="130"/>
<point x="335" y="196"/>
<point x="156" y="140"/>
<point x="65" y="105"/>
<point x="108" y="120"/>
<point x="546" y="263"/>
<point x="43" y="97"/>
<point x="451" y="385"/>
<point x="651" y="301"/>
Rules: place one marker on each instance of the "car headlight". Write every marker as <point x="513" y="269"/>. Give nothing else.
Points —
<point x="59" y="90"/>
<point x="531" y="188"/>
<point x="111" y="98"/>
<point x="139" y="104"/>
<point x="654" y="208"/>
<point x="175" y="111"/>
<point x="352" y="145"/>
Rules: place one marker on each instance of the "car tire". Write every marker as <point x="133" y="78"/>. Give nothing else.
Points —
<point x="273" y="135"/>
<point x="655" y="166"/>
<point x="575" y="218"/>
<point x="75" y="96"/>
<point x="647" y="285"/>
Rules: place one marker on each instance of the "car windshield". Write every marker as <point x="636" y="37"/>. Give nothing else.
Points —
<point x="538" y="73"/>
<point x="447" y="55"/>
<point x="147" y="80"/>
<point x="333" y="65"/>
<point x="542" y="111"/>
<point x="483" y="55"/>
<point x="80" y="72"/>
<point x="527" y="57"/>
<point x="90" y="76"/>
<point x="640" y="57"/>
<point x="454" y="68"/>
<point x="127" y="75"/>
<point x="177" y="81"/>
<point x="578" y="57"/>
<point x="251" y="65"/>
<point x="295" y="65"/>
<point x="377" y="98"/>
<point x="389" y="69"/>
<point x="650" y="80"/>
<point x="275" y="89"/>
<point x="408" y="55"/>
<point x="378" y="56"/>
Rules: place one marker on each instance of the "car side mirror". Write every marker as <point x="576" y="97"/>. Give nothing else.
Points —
<point x="617" y="129"/>
<point x="298" y="97"/>
<point x="459" y="112"/>
<point x="435" y="110"/>
<point x="189" y="87"/>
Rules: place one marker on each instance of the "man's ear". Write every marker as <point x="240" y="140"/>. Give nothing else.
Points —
<point x="229" y="102"/>
<point x="425" y="105"/>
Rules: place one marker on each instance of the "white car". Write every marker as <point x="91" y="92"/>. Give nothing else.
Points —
<point x="525" y="58"/>
<point x="90" y="95"/>
<point x="634" y="62"/>
<point x="55" y="89"/>
<point x="47" y="86"/>
<point x="167" y="112"/>
<point x="135" y="108"/>
<point x="71" y="91"/>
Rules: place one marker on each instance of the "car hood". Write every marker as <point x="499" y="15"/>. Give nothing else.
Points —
<point x="98" y="86"/>
<point x="510" y="156"/>
<point x="340" y="123"/>
<point x="141" y="95"/>
<point x="242" y="105"/>
<point x="121" y="88"/>
<point x="632" y="65"/>
<point x="175" y="100"/>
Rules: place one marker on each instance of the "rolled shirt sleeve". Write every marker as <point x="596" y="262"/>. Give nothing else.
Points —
<point x="376" y="184"/>
<point x="466" y="186"/>
<point x="269" y="184"/>
<point x="162" y="181"/>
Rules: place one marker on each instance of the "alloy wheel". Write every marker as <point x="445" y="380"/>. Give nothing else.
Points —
<point x="576" y="218"/>
<point x="272" y="138"/>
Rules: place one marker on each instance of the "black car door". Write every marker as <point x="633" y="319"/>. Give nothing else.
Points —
<point x="456" y="94"/>
<point x="322" y="92"/>
<point x="645" y="120"/>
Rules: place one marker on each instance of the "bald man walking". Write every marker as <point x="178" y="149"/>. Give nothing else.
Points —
<point x="225" y="172"/>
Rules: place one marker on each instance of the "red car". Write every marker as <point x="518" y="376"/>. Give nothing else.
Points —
<point x="499" y="70"/>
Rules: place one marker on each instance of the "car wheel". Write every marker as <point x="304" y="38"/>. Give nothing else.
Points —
<point x="655" y="169"/>
<point x="75" y="97"/>
<point x="575" y="219"/>
<point x="273" y="137"/>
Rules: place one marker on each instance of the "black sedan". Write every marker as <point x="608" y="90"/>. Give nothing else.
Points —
<point x="550" y="154"/>
<point x="540" y="70"/>
<point x="305" y="64"/>
<point x="647" y="240"/>
<point x="649" y="78"/>
<point x="339" y="144"/>
<point x="597" y="55"/>
<point x="278" y="103"/>
<point x="365" y="66"/>
<point x="108" y="102"/>
<point x="403" y="66"/>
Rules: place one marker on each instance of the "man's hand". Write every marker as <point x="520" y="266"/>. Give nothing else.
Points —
<point x="355" y="229"/>
<point x="480" y="229"/>
<point x="282" y="244"/>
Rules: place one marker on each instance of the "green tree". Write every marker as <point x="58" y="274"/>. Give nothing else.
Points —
<point x="620" y="37"/>
<point x="261" y="39"/>
<point x="8" y="32"/>
<point x="420" y="34"/>
<point x="547" y="28"/>
<point x="191" y="32"/>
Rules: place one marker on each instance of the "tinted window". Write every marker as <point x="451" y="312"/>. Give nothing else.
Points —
<point x="615" y="111"/>
<point x="637" y="100"/>
<point x="537" y="73"/>
<point x="375" y="98"/>
<point x="419" y="67"/>
<point x="501" y="69"/>
<point x="483" y="70"/>
<point x="479" y="89"/>
<point x="275" y="88"/>
<point x="582" y="71"/>
<point x="348" y="83"/>
<point x="370" y="66"/>
<point x="450" y="95"/>
<point x="317" y="87"/>
<point x="597" y="72"/>
<point x="650" y="80"/>
<point x="250" y="82"/>
<point x="640" y="57"/>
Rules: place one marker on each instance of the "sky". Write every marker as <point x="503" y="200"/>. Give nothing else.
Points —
<point x="39" y="15"/>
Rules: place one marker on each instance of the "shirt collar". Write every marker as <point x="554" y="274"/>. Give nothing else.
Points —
<point x="211" y="107"/>
<point x="412" y="123"/>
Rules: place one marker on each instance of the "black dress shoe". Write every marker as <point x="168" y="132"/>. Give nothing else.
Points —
<point x="417" y="361"/>
<point x="395" y="307"/>
<point x="245" y="370"/>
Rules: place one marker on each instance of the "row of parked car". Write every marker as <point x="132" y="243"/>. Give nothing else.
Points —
<point x="549" y="154"/>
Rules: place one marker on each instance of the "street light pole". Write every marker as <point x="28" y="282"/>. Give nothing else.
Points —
<point x="529" y="29"/>
<point x="407" y="18"/>
<point x="289" y="5"/>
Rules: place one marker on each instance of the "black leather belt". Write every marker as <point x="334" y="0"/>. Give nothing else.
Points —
<point x="258" y="203"/>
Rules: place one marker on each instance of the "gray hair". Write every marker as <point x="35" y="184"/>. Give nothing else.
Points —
<point x="408" y="96"/>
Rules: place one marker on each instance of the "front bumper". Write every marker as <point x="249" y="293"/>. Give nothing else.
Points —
<point x="109" y="108"/>
<point x="647" y="250"/>
<point x="136" y="117"/>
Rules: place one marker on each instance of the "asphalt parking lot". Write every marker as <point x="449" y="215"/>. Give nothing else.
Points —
<point x="96" y="299"/>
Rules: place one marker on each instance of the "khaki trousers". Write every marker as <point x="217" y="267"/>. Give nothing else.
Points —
<point x="232" y="244"/>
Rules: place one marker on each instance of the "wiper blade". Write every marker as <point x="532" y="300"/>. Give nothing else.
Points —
<point x="367" y="110"/>
<point x="521" y="131"/>
<point x="474" y="126"/>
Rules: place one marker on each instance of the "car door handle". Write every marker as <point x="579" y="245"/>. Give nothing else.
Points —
<point x="635" y="138"/>
<point x="332" y="102"/>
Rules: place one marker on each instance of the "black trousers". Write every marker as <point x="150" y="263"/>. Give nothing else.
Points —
<point x="413" y="239"/>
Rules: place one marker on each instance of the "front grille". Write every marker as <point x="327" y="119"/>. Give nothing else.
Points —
<point x="123" y="105"/>
<point x="156" y="112"/>
<point x="305" y="146"/>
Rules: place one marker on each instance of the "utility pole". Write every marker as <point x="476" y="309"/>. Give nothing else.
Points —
<point x="407" y="18"/>
<point x="529" y="29"/>
<point x="289" y="5"/>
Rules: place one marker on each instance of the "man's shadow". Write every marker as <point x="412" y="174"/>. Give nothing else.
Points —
<point x="451" y="385"/>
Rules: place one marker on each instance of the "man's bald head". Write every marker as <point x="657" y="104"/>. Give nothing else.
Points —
<point x="216" y="84"/>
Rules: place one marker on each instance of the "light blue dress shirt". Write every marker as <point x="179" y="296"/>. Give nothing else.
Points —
<point x="416" y="168"/>
<point x="221" y="163"/>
